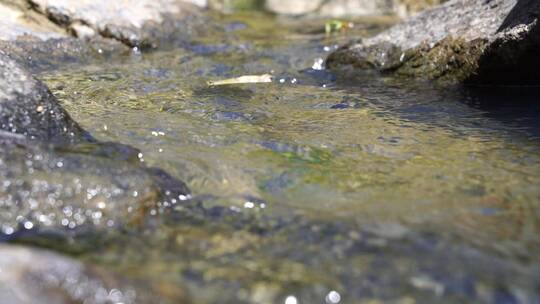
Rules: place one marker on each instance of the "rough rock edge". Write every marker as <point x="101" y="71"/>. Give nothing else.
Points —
<point x="500" y="54"/>
<point x="29" y="108"/>
<point x="132" y="36"/>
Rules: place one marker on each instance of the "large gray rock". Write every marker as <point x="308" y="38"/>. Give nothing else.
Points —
<point x="85" y="188"/>
<point x="456" y="41"/>
<point x="123" y="20"/>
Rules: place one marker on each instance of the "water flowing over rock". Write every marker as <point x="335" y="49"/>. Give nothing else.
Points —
<point x="480" y="41"/>
<point x="55" y="176"/>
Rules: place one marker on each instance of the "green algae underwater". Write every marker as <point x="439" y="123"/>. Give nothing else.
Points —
<point x="317" y="187"/>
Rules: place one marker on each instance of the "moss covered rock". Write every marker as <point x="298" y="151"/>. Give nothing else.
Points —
<point x="474" y="41"/>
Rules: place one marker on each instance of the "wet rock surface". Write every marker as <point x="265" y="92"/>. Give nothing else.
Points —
<point x="37" y="56"/>
<point x="478" y="41"/>
<point x="27" y="107"/>
<point x="76" y="189"/>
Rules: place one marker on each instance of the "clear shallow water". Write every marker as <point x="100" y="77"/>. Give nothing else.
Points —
<point x="379" y="189"/>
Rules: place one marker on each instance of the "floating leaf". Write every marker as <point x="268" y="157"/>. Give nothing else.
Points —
<point x="265" y="78"/>
<point x="332" y="26"/>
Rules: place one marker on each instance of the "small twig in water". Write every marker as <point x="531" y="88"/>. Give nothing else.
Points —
<point x="265" y="78"/>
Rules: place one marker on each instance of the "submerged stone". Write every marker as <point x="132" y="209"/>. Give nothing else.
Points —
<point x="29" y="275"/>
<point x="480" y="41"/>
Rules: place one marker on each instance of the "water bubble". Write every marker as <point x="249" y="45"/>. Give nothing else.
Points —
<point x="291" y="300"/>
<point x="333" y="297"/>
<point x="115" y="295"/>
<point x="318" y="64"/>
<point x="8" y="230"/>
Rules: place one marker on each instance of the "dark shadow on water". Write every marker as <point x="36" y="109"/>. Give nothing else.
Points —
<point x="515" y="106"/>
<point x="516" y="109"/>
<point x="513" y="61"/>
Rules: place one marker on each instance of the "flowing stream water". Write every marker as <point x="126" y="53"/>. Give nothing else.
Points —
<point x="348" y="187"/>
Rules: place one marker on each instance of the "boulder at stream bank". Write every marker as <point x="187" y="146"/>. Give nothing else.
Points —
<point x="133" y="23"/>
<point x="473" y="41"/>
<point x="55" y="177"/>
<point x="348" y="8"/>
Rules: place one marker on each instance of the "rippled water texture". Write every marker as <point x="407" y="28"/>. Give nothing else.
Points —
<point x="337" y="189"/>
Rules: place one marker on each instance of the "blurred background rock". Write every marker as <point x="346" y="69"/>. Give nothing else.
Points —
<point x="324" y="8"/>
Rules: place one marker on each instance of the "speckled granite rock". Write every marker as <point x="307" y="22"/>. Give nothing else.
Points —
<point x="477" y="40"/>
